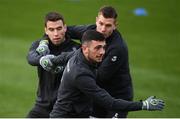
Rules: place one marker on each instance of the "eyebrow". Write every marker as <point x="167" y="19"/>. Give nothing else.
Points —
<point x="55" y="28"/>
<point x="99" y="46"/>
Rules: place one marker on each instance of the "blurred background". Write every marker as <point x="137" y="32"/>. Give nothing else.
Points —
<point x="151" y="29"/>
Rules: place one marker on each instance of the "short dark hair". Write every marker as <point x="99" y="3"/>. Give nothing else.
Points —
<point x="53" y="16"/>
<point x="108" y="12"/>
<point x="90" y="35"/>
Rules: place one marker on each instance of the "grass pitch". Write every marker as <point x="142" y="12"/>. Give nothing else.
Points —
<point x="153" y="42"/>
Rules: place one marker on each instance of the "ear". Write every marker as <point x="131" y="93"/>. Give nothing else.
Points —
<point x="45" y="30"/>
<point x="97" y="19"/>
<point x="85" y="49"/>
<point x="65" y="27"/>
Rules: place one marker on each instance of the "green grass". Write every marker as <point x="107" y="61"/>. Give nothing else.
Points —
<point x="153" y="43"/>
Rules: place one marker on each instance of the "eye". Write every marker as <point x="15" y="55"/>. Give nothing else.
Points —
<point x="104" y="47"/>
<point x="51" y="29"/>
<point x="100" y="23"/>
<point x="108" y="25"/>
<point x="99" y="47"/>
<point x="59" y="28"/>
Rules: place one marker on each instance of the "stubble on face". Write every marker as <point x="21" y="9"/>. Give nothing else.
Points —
<point x="96" y="51"/>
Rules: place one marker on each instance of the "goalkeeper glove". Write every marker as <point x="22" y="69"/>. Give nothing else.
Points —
<point x="46" y="63"/>
<point x="152" y="104"/>
<point x="43" y="48"/>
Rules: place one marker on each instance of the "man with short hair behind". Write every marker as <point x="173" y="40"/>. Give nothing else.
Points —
<point x="53" y="43"/>
<point x="78" y="87"/>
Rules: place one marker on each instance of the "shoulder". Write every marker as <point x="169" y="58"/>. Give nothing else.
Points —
<point x="84" y="75"/>
<point x="79" y="27"/>
<point x="116" y="45"/>
<point x="91" y="26"/>
<point x="117" y="40"/>
<point x="78" y="68"/>
<point x="73" y="45"/>
<point x="36" y="42"/>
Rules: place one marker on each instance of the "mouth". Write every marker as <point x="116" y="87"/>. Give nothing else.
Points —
<point x="56" y="39"/>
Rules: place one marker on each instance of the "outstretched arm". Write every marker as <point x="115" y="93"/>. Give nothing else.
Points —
<point x="100" y="96"/>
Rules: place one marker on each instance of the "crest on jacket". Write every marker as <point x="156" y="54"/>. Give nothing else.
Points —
<point x="114" y="58"/>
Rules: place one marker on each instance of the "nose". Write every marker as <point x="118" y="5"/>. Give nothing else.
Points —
<point x="55" y="32"/>
<point x="103" y="29"/>
<point x="102" y="51"/>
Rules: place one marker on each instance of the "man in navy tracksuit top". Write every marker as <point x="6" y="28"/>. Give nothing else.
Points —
<point x="78" y="87"/>
<point x="113" y="73"/>
<point x="56" y="42"/>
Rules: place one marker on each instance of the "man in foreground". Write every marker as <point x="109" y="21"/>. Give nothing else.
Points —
<point x="78" y="87"/>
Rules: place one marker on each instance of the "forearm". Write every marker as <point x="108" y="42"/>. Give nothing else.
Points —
<point x="77" y="31"/>
<point x="63" y="58"/>
<point x="124" y="105"/>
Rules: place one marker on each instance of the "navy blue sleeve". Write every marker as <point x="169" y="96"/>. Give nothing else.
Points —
<point x="87" y="84"/>
<point x="63" y="58"/>
<point x="76" y="32"/>
<point x="33" y="57"/>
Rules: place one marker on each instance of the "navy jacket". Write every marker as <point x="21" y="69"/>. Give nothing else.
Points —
<point x="113" y="73"/>
<point x="78" y="89"/>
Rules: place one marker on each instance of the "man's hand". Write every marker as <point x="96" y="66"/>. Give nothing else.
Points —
<point x="152" y="104"/>
<point x="46" y="63"/>
<point x="43" y="48"/>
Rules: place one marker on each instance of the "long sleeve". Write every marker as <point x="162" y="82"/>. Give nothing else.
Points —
<point x="33" y="57"/>
<point x="76" y="32"/>
<point x="88" y="86"/>
<point x="63" y="58"/>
